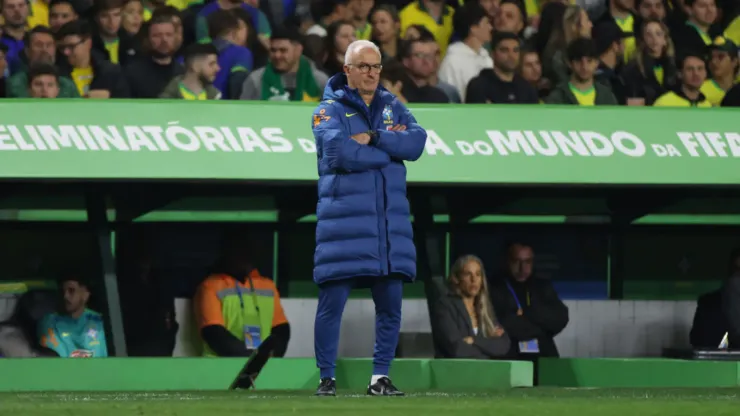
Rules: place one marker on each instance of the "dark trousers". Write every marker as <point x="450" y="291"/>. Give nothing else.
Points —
<point x="387" y="295"/>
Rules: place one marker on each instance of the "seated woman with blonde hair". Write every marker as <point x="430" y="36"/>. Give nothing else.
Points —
<point x="464" y="320"/>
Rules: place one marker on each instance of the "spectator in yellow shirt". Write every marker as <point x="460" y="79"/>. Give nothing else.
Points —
<point x="361" y="13"/>
<point x="733" y="31"/>
<point x="688" y="94"/>
<point x="39" y="15"/>
<point x="434" y="15"/>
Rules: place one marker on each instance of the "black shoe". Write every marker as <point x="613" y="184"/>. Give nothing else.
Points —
<point x="327" y="387"/>
<point x="383" y="387"/>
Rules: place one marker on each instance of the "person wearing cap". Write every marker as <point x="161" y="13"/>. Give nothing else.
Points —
<point x="609" y="42"/>
<point x="620" y="12"/>
<point x="723" y="65"/>
<point x="581" y="89"/>
<point x="693" y="72"/>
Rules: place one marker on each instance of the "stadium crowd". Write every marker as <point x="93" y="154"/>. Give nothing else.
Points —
<point x="581" y="52"/>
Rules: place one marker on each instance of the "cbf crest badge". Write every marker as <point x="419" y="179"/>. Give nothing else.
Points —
<point x="388" y="115"/>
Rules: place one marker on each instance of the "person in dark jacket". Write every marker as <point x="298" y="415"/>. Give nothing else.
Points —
<point x="528" y="307"/>
<point x="609" y="40"/>
<point x="92" y="74"/>
<point x="364" y="136"/>
<point x="502" y="84"/>
<point x="464" y="325"/>
<point x="582" y="88"/>
<point x="653" y="70"/>
<point x="110" y="39"/>
<point x="732" y="98"/>
<point x="717" y="312"/>
<point x="150" y="73"/>
<point x="39" y="49"/>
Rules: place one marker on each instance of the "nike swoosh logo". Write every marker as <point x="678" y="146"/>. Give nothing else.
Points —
<point x="349" y="115"/>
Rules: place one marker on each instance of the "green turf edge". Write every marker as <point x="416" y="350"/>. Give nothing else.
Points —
<point x="639" y="372"/>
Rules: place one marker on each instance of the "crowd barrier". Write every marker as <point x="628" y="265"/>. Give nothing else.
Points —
<point x="119" y="139"/>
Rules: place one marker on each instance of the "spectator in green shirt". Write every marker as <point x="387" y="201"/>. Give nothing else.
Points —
<point x="39" y="49"/>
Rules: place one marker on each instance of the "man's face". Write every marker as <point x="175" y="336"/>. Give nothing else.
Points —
<point x="60" y="14"/>
<point x="423" y="60"/>
<point x="722" y="64"/>
<point x="284" y="54"/>
<point x="482" y="31"/>
<point x="584" y="68"/>
<point x="521" y="262"/>
<point x="15" y="12"/>
<point x="652" y="9"/>
<point x="41" y="48"/>
<point x="364" y="71"/>
<point x="361" y="8"/>
<point x="531" y="67"/>
<point x="110" y="21"/>
<point x="75" y="296"/>
<point x="162" y="39"/>
<point x="207" y="68"/>
<point x="704" y="11"/>
<point x="75" y="48"/>
<point x="44" y="86"/>
<point x="693" y="73"/>
<point x="506" y="55"/>
<point x="508" y="19"/>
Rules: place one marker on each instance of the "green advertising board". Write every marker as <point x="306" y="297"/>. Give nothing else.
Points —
<point x="91" y="139"/>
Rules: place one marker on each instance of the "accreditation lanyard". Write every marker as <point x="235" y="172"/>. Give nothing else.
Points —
<point x="238" y="288"/>
<point x="516" y="298"/>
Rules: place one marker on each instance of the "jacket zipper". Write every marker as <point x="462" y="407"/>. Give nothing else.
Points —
<point x="382" y="211"/>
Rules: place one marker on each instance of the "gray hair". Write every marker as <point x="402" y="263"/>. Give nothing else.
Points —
<point x="357" y="47"/>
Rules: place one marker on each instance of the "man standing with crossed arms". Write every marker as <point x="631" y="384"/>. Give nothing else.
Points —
<point x="364" y="135"/>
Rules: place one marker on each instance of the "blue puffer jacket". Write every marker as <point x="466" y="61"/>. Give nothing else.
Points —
<point x="363" y="225"/>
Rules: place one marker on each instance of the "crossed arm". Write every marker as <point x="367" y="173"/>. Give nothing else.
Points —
<point x="362" y="152"/>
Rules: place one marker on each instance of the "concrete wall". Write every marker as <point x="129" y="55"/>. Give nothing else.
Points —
<point x="596" y="328"/>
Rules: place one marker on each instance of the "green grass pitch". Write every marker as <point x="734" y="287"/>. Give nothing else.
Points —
<point x="526" y="401"/>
